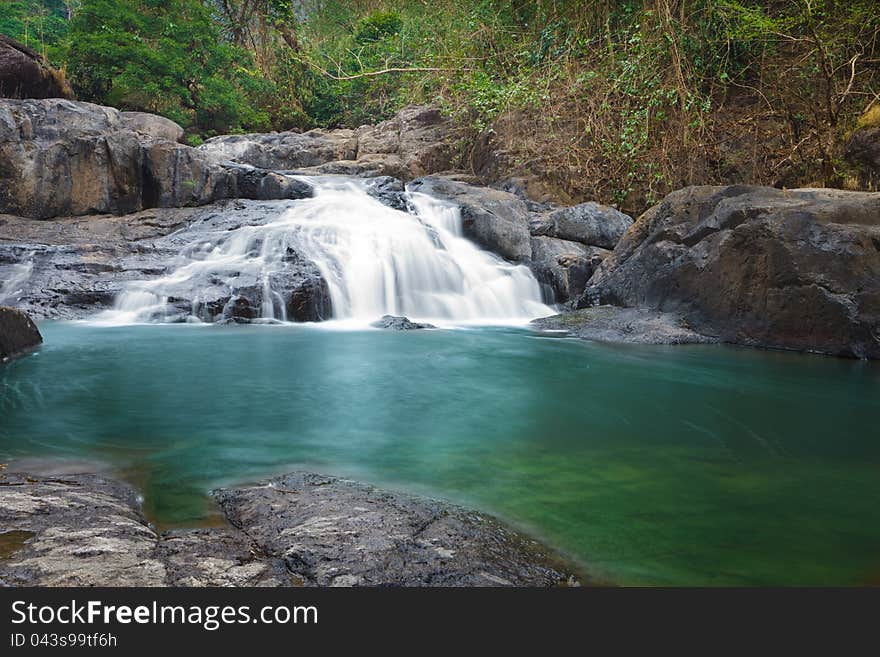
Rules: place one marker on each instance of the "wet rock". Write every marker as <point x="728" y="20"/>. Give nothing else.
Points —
<point x="334" y="532"/>
<point x="793" y="269"/>
<point x="496" y="220"/>
<point x="87" y="531"/>
<point x="300" y="529"/>
<point x="25" y="74"/>
<point x="74" y="267"/>
<point x="393" y="323"/>
<point x="18" y="334"/>
<point x="588" y="223"/>
<point x="624" y="325"/>
<point x="564" y="266"/>
<point x="283" y="150"/>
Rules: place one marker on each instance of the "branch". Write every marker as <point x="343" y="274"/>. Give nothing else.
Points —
<point x="384" y="71"/>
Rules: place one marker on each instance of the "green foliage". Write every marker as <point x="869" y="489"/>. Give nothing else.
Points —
<point x="378" y="26"/>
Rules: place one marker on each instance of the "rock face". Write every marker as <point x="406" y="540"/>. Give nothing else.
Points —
<point x="63" y="158"/>
<point x="565" y="266"/>
<point x="18" y="333"/>
<point x="334" y="532"/>
<point x="496" y="220"/>
<point x="588" y="223"/>
<point x="419" y="140"/>
<point x="797" y="269"/>
<point x="25" y="74"/>
<point x="863" y="149"/>
<point x="392" y="323"/>
<point x="74" y="267"/>
<point x="623" y="325"/>
<point x="300" y="529"/>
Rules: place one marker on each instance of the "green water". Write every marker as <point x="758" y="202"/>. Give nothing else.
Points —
<point x="649" y="465"/>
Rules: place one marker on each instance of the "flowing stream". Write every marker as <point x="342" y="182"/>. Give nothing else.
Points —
<point x="376" y="260"/>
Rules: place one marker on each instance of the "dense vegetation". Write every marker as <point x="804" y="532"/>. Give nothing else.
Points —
<point x="616" y="100"/>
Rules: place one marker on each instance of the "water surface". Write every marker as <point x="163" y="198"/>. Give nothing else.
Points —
<point x="649" y="465"/>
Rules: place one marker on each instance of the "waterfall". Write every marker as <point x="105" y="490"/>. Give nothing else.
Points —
<point x="375" y="260"/>
<point x="16" y="276"/>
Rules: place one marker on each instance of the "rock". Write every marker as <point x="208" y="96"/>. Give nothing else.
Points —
<point x="564" y="266"/>
<point x="588" y="223"/>
<point x="78" y="530"/>
<point x="74" y="267"/>
<point x="388" y="190"/>
<point x="18" y="334"/>
<point x="64" y="158"/>
<point x="623" y="325"/>
<point x="416" y="142"/>
<point x="152" y="125"/>
<point x="795" y="269"/>
<point x="335" y="532"/>
<point x="496" y="220"/>
<point x="399" y="324"/>
<point x="300" y="529"/>
<point x="283" y="150"/>
<point x="25" y="74"/>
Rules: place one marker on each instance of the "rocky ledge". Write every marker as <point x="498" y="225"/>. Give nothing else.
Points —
<point x="299" y="529"/>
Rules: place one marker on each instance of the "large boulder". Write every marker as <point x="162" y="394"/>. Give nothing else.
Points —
<point x="417" y="141"/>
<point x="63" y="158"/>
<point x="18" y="333"/>
<point x="152" y="125"/>
<point x="496" y="220"/>
<point x="25" y="74"/>
<point x="565" y="266"/>
<point x="795" y="269"/>
<point x="588" y="223"/>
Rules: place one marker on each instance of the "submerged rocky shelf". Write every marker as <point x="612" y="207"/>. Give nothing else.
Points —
<point x="299" y="529"/>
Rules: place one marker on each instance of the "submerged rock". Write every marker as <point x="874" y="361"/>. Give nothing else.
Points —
<point x="624" y="325"/>
<point x="300" y="529"/>
<point x="794" y="269"/>
<point x="399" y="324"/>
<point x="18" y="333"/>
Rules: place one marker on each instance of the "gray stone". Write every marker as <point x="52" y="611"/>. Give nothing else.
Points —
<point x="788" y="269"/>
<point x="588" y="223"/>
<point x="564" y="266"/>
<point x="623" y="325"/>
<point x="392" y="323"/>
<point x="18" y="333"/>
<point x="496" y="220"/>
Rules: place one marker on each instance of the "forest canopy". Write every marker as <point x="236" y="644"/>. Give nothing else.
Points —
<point x="611" y="98"/>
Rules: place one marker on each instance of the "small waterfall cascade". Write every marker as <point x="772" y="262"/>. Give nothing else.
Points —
<point x="14" y="278"/>
<point x="374" y="259"/>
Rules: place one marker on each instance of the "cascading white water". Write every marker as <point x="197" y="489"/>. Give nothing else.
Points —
<point x="16" y="276"/>
<point x="375" y="260"/>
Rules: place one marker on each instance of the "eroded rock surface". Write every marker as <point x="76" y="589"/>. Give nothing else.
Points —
<point x="793" y="269"/>
<point x="300" y="529"/>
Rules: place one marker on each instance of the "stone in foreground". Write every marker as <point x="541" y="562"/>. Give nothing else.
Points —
<point x="335" y="532"/>
<point x="18" y="334"/>
<point x="299" y="529"/>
